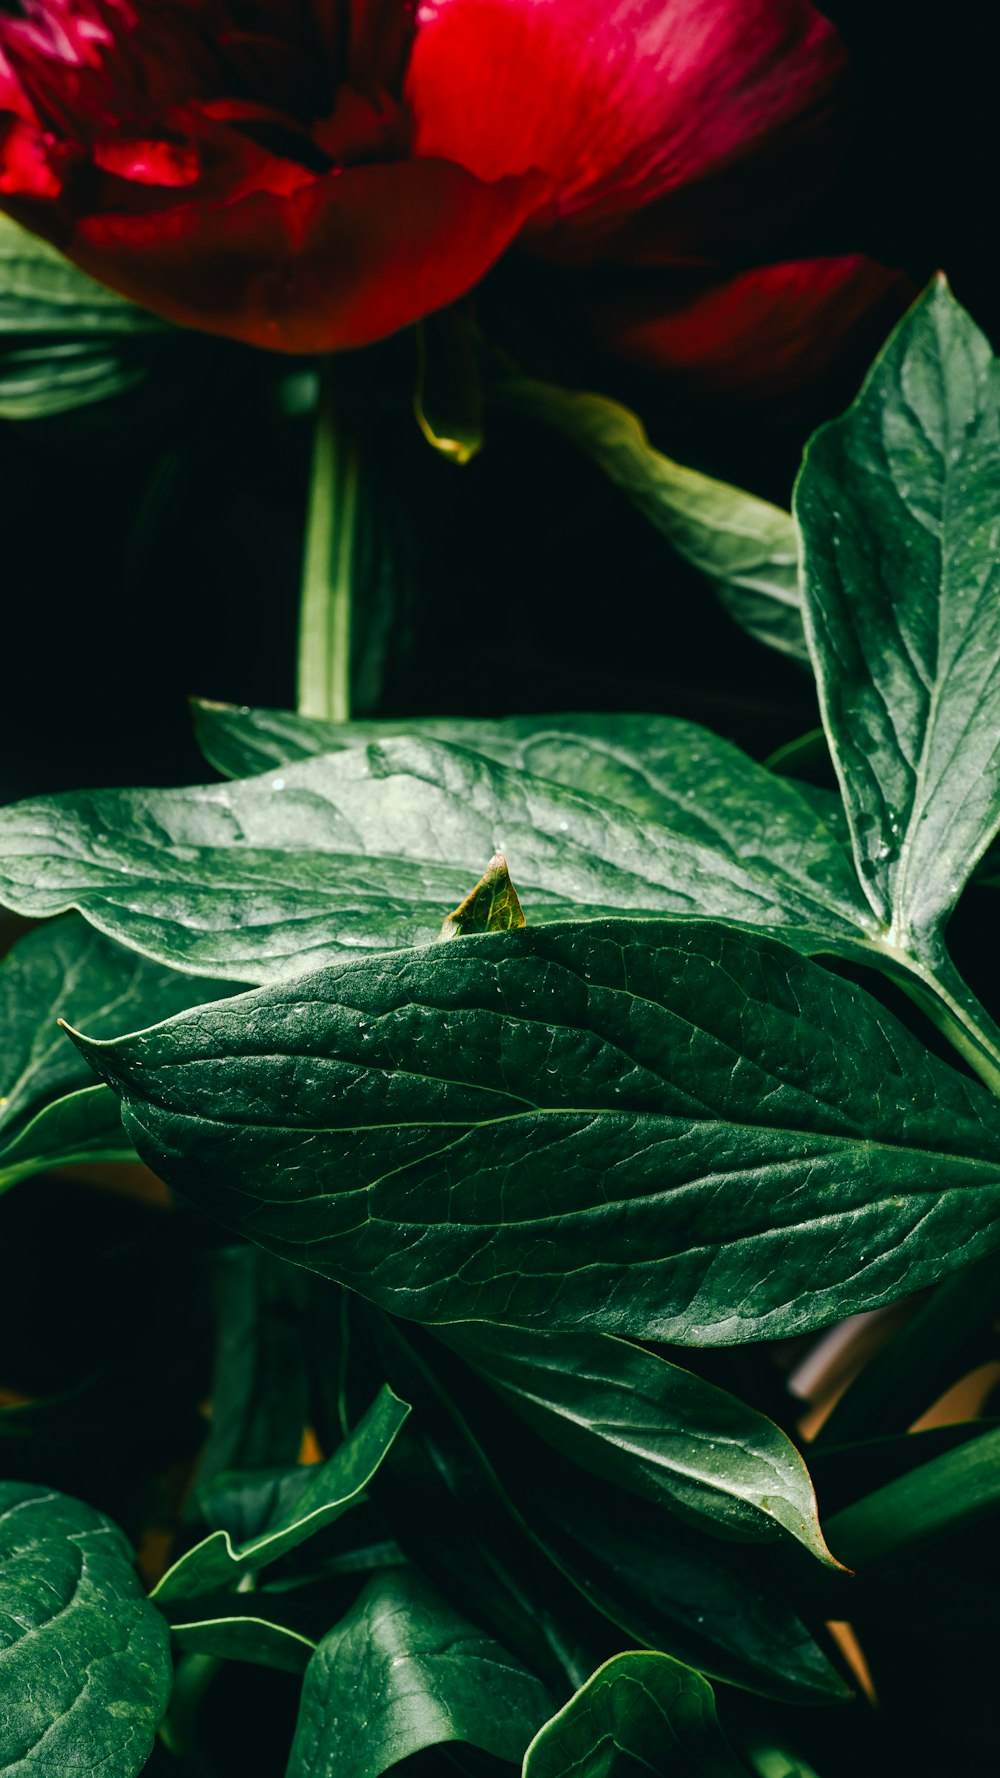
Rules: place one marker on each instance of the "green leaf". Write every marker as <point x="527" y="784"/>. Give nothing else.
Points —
<point x="745" y="546"/>
<point x="85" y="1669"/>
<point x="299" y="1503"/>
<point x="264" y="878"/>
<point x="647" y="764"/>
<point x="546" y="1557"/>
<point x="245" y="1638"/>
<point x="897" y="507"/>
<point x="51" y="1114"/>
<point x="41" y="292"/>
<point x="36" y="381"/>
<point x="639" y="1713"/>
<point x="660" y="1431"/>
<point x="663" y="1585"/>
<point x="401" y="1672"/>
<point x="80" y="1127"/>
<point x="938" y="1497"/>
<point x="673" y="1129"/>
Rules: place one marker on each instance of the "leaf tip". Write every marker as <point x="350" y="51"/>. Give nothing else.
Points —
<point x="492" y="906"/>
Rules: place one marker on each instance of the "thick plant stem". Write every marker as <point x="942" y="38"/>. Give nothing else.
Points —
<point x="956" y="1021"/>
<point x="932" y="982"/>
<point x="325" y="608"/>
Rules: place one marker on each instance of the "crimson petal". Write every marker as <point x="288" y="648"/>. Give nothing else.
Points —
<point x="615" y="102"/>
<point x="342" y="261"/>
<point x="765" y="334"/>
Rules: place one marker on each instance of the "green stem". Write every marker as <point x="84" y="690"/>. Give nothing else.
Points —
<point x="194" y="1675"/>
<point x="324" y="660"/>
<point x="938" y="989"/>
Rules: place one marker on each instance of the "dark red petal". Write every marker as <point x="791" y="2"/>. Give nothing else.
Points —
<point x="615" y="104"/>
<point x="340" y="262"/>
<point x="25" y="171"/>
<point x="764" y="334"/>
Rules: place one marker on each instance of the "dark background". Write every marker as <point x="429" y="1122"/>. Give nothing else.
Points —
<point x="151" y="545"/>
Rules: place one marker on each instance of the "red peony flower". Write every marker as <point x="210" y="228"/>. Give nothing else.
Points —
<point x="314" y="174"/>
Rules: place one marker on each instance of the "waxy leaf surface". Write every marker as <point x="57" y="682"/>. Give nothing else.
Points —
<point x="372" y="847"/>
<point x="85" y="1669"/>
<point x="898" y="503"/>
<point x="675" y="1130"/>
<point x="746" y="546"/>
<point x="933" y="1499"/>
<point x="50" y="1112"/>
<point x="246" y="1638"/>
<point x="404" y="1671"/>
<point x="660" y="1431"/>
<point x="667" y="1587"/>
<point x="639" y="1713"/>
<point x="299" y="1502"/>
<point x="489" y="1521"/>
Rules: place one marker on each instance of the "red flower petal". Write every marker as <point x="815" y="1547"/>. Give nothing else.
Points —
<point x="765" y="334"/>
<point x="614" y="103"/>
<point x="342" y="261"/>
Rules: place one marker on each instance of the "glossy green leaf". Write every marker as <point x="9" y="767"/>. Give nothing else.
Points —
<point x="672" y="1129"/>
<point x="245" y="1638"/>
<point x="940" y="1496"/>
<point x="745" y="546"/>
<point x="660" y="1431"/>
<point x="300" y="1502"/>
<point x="639" y="1713"/>
<point x="644" y="763"/>
<point x="51" y="1114"/>
<point x="43" y="293"/>
<point x="558" y="1565"/>
<point x="80" y="1127"/>
<point x="897" y="506"/>
<point x="373" y="846"/>
<point x="667" y="1586"/>
<point x="85" y="1671"/>
<point x="404" y="1671"/>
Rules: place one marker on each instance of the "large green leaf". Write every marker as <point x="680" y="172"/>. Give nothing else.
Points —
<point x="404" y="1671"/>
<point x="51" y="1114"/>
<point x="937" y="1497"/>
<point x="663" y="1432"/>
<point x="671" y="1129"/>
<point x="296" y="1503"/>
<point x="41" y="292"/>
<point x="373" y="846"/>
<point x="639" y="1713"/>
<point x="745" y="546"/>
<point x="548" y="1559"/>
<point x="65" y="341"/>
<point x="897" y="505"/>
<point x="638" y="761"/>
<point x="663" y="1585"/>
<point x="85" y="1671"/>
